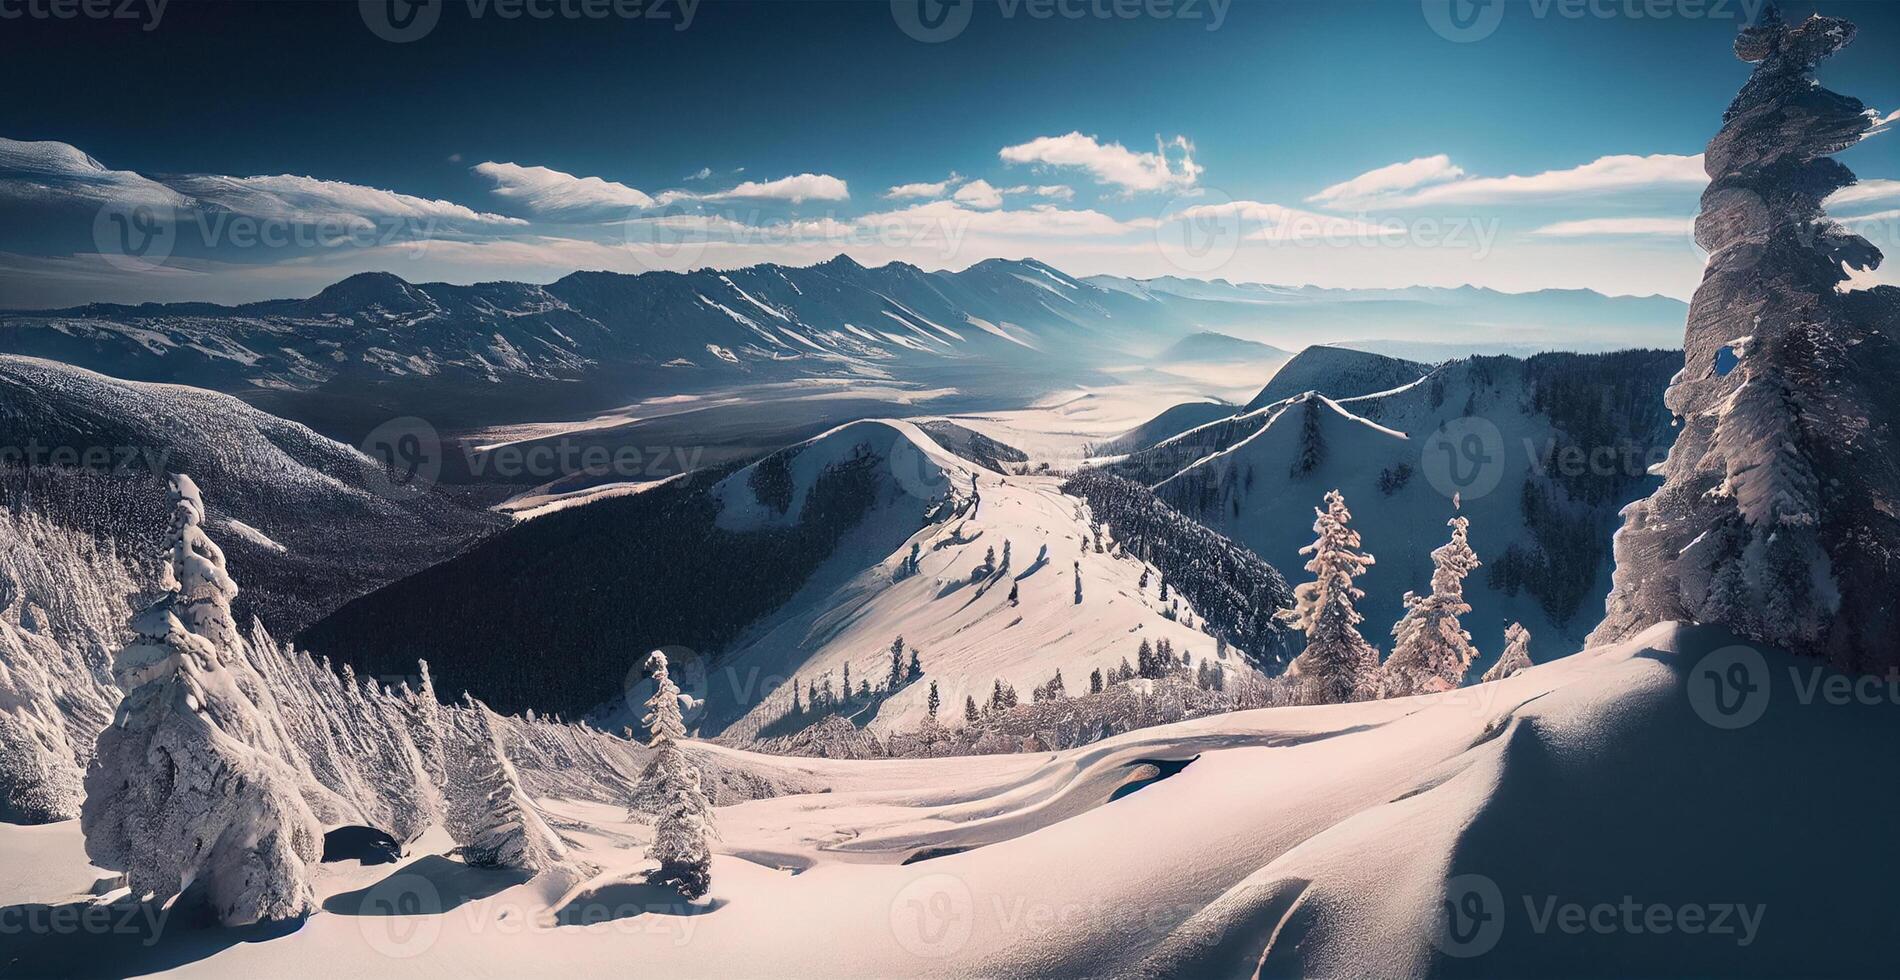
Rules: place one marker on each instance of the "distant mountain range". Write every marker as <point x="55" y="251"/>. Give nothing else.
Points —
<point x="835" y="319"/>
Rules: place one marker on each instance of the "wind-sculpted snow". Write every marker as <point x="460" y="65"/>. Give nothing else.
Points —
<point x="63" y="608"/>
<point x="1305" y="841"/>
<point x="1777" y="516"/>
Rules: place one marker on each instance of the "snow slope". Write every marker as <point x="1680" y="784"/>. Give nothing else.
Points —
<point x="1399" y="457"/>
<point x="954" y="609"/>
<point x="1322" y="841"/>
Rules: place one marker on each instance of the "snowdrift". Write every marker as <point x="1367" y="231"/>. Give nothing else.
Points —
<point x="1322" y="841"/>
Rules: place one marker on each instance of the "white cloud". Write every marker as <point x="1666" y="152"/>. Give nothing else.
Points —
<point x="1864" y="192"/>
<point x="1036" y="220"/>
<point x="1620" y="227"/>
<point x="925" y="189"/>
<point x="1058" y="192"/>
<point x="547" y="191"/>
<point x="56" y="173"/>
<point x="700" y="174"/>
<point x="50" y="172"/>
<point x="797" y="189"/>
<point x="290" y="198"/>
<point x="979" y="194"/>
<point x="1112" y="163"/>
<point x="1604" y="174"/>
<point x="1387" y="180"/>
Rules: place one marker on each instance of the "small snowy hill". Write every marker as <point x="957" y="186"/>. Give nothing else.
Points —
<point x="1541" y="465"/>
<point x="1165" y="426"/>
<point x="955" y="608"/>
<point x="1337" y="372"/>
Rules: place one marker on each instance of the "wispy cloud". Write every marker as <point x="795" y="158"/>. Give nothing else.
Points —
<point x="552" y="192"/>
<point x="924" y="189"/>
<point x="1113" y="164"/>
<point x="53" y="173"/>
<point x="700" y="174"/>
<point x="1624" y="172"/>
<point x="1865" y="192"/>
<point x="1619" y="227"/>
<point x="1389" y="179"/>
<point x="797" y="189"/>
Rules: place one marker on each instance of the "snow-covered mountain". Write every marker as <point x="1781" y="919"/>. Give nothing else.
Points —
<point x="836" y="318"/>
<point x="1542" y="453"/>
<point x="684" y="330"/>
<point x="1337" y="372"/>
<point x="812" y="558"/>
<point x="1467" y="319"/>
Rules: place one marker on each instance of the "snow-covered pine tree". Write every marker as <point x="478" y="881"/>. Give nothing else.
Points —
<point x="1431" y="649"/>
<point x="425" y="725"/>
<point x="1095" y="681"/>
<point x="683" y="832"/>
<point x="1312" y="446"/>
<point x="1337" y="664"/>
<point x="1015" y="593"/>
<point x="1005" y="566"/>
<point x="896" y="678"/>
<point x="189" y="786"/>
<point x="970" y="715"/>
<point x="847" y="680"/>
<point x="915" y="668"/>
<point x="1769" y="520"/>
<point x="1516" y="656"/>
<point x="934" y="702"/>
<point x="1078" y="583"/>
<point x="488" y="815"/>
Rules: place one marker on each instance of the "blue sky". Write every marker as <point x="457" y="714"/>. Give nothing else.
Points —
<point x="1195" y="138"/>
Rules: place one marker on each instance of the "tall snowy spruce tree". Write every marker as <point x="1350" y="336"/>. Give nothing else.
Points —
<point x="1776" y="515"/>
<point x="1517" y="654"/>
<point x="189" y="788"/>
<point x="683" y="830"/>
<point x="1337" y="664"/>
<point x="1431" y="650"/>
<point x="489" y="815"/>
